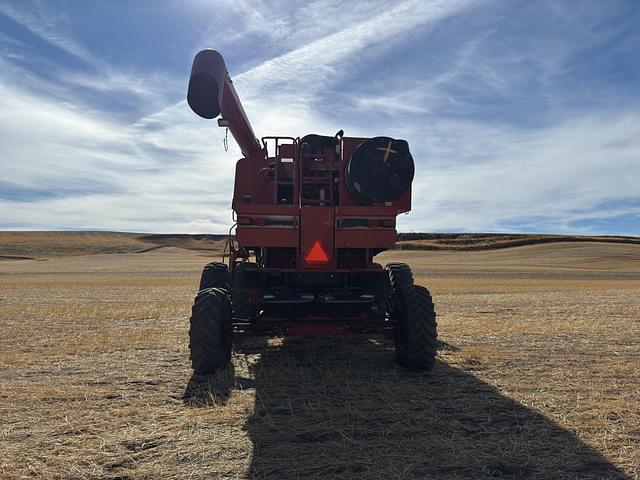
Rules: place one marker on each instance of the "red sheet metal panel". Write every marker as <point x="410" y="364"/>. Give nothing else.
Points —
<point x="267" y="237"/>
<point x="317" y="228"/>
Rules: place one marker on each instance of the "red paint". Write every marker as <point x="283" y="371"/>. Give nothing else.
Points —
<point x="317" y="227"/>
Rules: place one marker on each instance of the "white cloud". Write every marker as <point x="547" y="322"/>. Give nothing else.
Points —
<point x="321" y="62"/>
<point x="286" y="25"/>
<point x="161" y="174"/>
<point x="145" y="92"/>
<point x="578" y="170"/>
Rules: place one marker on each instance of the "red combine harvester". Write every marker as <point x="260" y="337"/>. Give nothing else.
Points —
<point x="311" y="214"/>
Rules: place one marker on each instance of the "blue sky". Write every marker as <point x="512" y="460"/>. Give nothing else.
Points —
<point x="521" y="116"/>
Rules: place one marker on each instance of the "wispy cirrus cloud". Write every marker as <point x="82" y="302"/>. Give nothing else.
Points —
<point x="89" y="81"/>
<point x="46" y="23"/>
<point x="321" y="62"/>
<point x="72" y="169"/>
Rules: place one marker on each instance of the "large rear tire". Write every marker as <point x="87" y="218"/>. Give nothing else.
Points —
<point x="215" y="275"/>
<point x="414" y="318"/>
<point x="244" y="306"/>
<point x="210" y="331"/>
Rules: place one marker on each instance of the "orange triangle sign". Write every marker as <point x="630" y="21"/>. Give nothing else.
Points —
<point x="317" y="253"/>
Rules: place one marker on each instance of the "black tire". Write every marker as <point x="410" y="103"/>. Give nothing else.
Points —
<point x="210" y="331"/>
<point x="400" y="275"/>
<point x="243" y="307"/>
<point x="215" y="275"/>
<point x="415" y="326"/>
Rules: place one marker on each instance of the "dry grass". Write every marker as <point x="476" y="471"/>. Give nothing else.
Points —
<point x="538" y="375"/>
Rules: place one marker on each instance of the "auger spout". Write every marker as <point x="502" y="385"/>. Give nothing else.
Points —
<point x="211" y="93"/>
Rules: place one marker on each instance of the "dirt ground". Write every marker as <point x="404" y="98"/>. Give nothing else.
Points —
<point x="538" y="375"/>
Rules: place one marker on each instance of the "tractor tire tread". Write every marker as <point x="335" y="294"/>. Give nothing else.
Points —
<point x="215" y="275"/>
<point x="208" y="331"/>
<point x="400" y="275"/>
<point x="418" y="346"/>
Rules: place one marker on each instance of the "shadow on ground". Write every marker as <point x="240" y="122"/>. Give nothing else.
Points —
<point x="208" y="390"/>
<point x="339" y="408"/>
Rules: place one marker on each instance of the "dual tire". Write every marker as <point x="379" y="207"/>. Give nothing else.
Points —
<point x="413" y="315"/>
<point x="210" y="326"/>
<point x="210" y="323"/>
<point x="210" y="330"/>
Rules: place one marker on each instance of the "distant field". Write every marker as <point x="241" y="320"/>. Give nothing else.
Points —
<point x="32" y="245"/>
<point x="538" y="372"/>
<point x="492" y="241"/>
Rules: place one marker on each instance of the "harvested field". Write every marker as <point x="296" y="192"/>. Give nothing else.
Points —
<point x="492" y="241"/>
<point x="42" y="245"/>
<point x="538" y="373"/>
